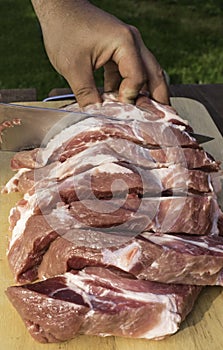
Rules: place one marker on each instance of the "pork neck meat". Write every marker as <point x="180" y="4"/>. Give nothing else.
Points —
<point x="120" y="218"/>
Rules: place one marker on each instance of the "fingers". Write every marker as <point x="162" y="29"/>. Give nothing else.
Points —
<point x="112" y="77"/>
<point x="156" y="83"/>
<point x="82" y="83"/>
<point x="131" y="69"/>
<point x="139" y="70"/>
<point x="160" y="92"/>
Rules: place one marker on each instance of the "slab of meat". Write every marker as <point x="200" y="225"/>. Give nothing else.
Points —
<point x="122" y="198"/>
<point x="97" y="301"/>
<point x="155" y="257"/>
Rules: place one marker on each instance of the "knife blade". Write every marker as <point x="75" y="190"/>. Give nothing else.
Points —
<point x="36" y="123"/>
<point x="201" y="138"/>
<point x="39" y="125"/>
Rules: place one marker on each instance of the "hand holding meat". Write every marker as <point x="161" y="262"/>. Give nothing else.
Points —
<point x="80" y="38"/>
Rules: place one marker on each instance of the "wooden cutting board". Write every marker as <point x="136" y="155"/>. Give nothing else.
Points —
<point x="202" y="329"/>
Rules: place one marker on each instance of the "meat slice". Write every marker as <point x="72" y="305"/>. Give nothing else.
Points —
<point x="96" y="301"/>
<point x="190" y="158"/>
<point x="195" y="215"/>
<point x="124" y="150"/>
<point x="121" y="219"/>
<point x="101" y="128"/>
<point x="98" y="154"/>
<point x="145" y="110"/>
<point x="109" y="179"/>
<point x="121" y="152"/>
<point x="31" y="237"/>
<point x="197" y="261"/>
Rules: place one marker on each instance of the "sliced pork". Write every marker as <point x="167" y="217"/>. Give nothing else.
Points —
<point x="195" y="215"/>
<point x="32" y="235"/>
<point x="113" y="206"/>
<point x="148" y="110"/>
<point x="192" y="214"/>
<point x="191" y="158"/>
<point x="100" y="128"/>
<point x="96" y="301"/>
<point x="155" y="257"/>
<point x="111" y="178"/>
<point x="32" y="232"/>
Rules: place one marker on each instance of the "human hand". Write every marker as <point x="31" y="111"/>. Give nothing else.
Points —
<point x="80" y="38"/>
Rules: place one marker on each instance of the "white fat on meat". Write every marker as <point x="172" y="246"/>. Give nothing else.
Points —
<point x="25" y="213"/>
<point x="71" y="166"/>
<point x="68" y="133"/>
<point x="111" y="168"/>
<point x="164" y="239"/>
<point x="125" y="258"/>
<point x="59" y="218"/>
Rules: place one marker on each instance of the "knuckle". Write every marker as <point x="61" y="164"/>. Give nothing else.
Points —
<point x="83" y="91"/>
<point x="140" y="77"/>
<point x="159" y="75"/>
<point x="134" y="31"/>
<point x="139" y="81"/>
<point x="126" y="34"/>
<point x="87" y="95"/>
<point x="156" y="74"/>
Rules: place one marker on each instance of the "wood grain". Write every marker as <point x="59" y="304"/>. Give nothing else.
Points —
<point x="202" y="329"/>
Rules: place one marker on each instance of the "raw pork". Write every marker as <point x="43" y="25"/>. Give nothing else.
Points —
<point x="197" y="261"/>
<point x="96" y="301"/>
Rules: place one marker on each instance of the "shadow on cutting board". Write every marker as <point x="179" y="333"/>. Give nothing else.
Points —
<point x="204" y="302"/>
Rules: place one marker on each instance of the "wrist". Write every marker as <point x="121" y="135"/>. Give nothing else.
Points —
<point x="51" y="8"/>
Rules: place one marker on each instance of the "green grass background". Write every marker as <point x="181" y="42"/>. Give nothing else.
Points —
<point x="185" y="36"/>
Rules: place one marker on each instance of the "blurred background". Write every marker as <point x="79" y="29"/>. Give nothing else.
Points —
<point x="185" y="36"/>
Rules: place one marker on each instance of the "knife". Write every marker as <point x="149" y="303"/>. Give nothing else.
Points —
<point x="36" y="123"/>
<point x="39" y="125"/>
